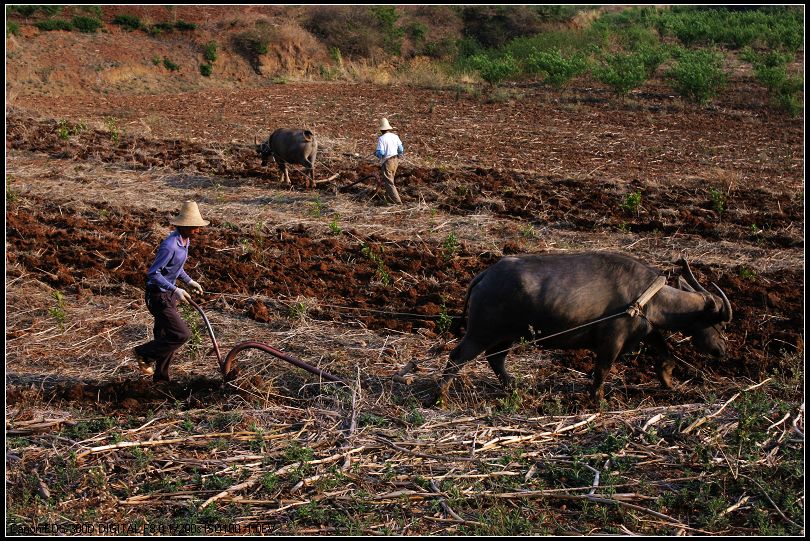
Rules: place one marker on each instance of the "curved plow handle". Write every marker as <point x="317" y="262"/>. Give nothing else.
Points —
<point x="226" y="365"/>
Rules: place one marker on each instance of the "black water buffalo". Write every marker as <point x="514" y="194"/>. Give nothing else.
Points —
<point x="532" y="296"/>
<point x="287" y="145"/>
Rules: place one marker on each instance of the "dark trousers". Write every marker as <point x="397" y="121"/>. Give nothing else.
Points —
<point x="170" y="332"/>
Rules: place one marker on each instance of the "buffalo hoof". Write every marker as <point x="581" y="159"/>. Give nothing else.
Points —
<point x="508" y="383"/>
<point x="438" y="398"/>
<point x="665" y="377"/>
<point x="666" y="382"/>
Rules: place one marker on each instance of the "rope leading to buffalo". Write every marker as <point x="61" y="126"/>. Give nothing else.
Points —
<point x="636" y="309"/>
<point x="229" y="372"/>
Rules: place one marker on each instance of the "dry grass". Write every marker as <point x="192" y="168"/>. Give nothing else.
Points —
<point x="370" y="460"/>
<point x="90" y="439"/>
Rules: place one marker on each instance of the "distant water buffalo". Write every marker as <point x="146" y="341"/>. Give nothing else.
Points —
<point x="533" y="296"/>
<point x="287" y="145"/>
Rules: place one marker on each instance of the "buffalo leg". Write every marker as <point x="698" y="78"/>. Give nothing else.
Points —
<point x="462" y="353"/>
<point x="604" y="361"/>
<point x="282" y="169"/>
<point x="664" y="363"/>
<point x="310" y="174"/>
<point x="496" y="357"/>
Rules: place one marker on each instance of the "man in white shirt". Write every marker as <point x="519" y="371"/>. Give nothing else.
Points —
<point x="389" y="149"/>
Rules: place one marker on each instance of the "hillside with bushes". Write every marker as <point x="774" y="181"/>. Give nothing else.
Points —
<point x="63" y="50"/>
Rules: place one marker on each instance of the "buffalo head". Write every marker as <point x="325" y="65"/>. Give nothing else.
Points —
<point x="263" y="150"/>
<point x="707" y="331"/>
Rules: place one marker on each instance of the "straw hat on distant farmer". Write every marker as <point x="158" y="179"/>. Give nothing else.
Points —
<point x="389" y="149"/>
<point x="162" y="295"/>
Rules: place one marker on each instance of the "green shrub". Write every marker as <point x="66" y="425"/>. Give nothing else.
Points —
<point x="333" y="225"/>
<point x="444" y="321"/>
<point x="386" y="18"/>
<point x="183" y="25"/>
<point x="444" y="48"/>
<point x="51" y="10"/>
<point x="23" y="11"/>
<point x="129" y="22"/>
<point x="718" y="200"/>
<point x="771" y="77"/>
<point x="334" y="53"/>
<point x="210" y="51"/>
<point x="381" y="273"/>
<point x="632" y="202"/>
<point x="253" y="42"/>
<point x="787" y="33"/>
<point x="652" y="56"/>
<point x="328" y="74"/>
<point x="63" y="129"/>
<point x="158" y="28"/>
<point x="771" y="70"/>
<point x="621" y="71"/>
<point x="569" y="43"/>
<point x="206" y="70"/>
<point x="12" y="28"/>
<point x="58" y="312"/>
<point x="558" y="69"/>
<point x="698" y="75"/>
<point x="417" y="31"/>
<point x="54" y="24"/>
<point x="787" y="96"/>
<point x="495" y="70"/>
<point x="777" y="26"/>
<point x="88" y="25"/>
<point x="169" y="65"/>
<point x="635" y="37"/>
<point x="645" y="17"/>
<point x="774" y="26"/>
<point x="450" y="246"/>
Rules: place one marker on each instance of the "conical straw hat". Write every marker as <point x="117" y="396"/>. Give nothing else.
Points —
<point x="384" y="125"/>
<point x="190" y="216"/>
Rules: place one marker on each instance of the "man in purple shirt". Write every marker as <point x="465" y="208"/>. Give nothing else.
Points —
<point x="170" y="331"/>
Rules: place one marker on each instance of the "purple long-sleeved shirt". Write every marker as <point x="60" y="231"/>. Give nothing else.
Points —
<point x="168" y="265"/>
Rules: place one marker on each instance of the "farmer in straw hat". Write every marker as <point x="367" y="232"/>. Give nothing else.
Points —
<point x="170" y="331"/>
<point x="389" y="149"/>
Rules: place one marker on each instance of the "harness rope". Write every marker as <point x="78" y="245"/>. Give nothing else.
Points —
<point x="635" y="309"/>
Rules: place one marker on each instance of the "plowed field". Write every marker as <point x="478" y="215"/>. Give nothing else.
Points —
<point x="358" y="287"/>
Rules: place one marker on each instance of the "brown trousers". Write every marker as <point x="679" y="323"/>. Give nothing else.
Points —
<point x="389" y="169"/>
<point x="170" y="332"/>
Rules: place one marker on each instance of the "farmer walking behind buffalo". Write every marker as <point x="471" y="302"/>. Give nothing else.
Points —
<point x="389" y="149"/>
<point x="170" y="331"/>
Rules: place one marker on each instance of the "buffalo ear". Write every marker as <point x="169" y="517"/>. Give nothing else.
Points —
<point x="684" y="285"/>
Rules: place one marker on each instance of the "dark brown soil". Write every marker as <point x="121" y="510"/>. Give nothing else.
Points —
<point x="729" y="174"/>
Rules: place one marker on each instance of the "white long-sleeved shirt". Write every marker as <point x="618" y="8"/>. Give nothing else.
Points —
<point x="388" y="144"/>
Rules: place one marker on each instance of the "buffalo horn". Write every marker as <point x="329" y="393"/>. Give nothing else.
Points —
<point x="690" y="278"/>
<point x="726" y="303"/>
